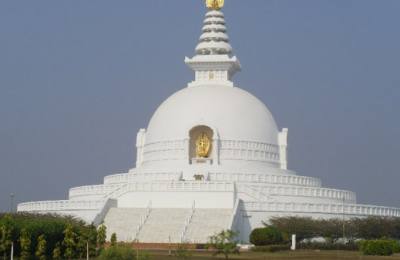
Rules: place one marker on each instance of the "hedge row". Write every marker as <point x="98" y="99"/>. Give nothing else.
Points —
<point x="365" y="228"/>
<point x="379" y="247"/>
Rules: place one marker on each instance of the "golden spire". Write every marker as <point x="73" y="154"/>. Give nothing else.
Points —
<point x="215" y="4"/>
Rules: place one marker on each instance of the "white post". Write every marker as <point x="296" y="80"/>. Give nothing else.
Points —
<point x="293" y="247"/>
<point x="87" y="250"/>
<point x="12" y="251"/>
<point x="169" y="246"/>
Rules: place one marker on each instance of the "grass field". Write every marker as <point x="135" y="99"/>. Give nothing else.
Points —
<point x="317" y="255"/>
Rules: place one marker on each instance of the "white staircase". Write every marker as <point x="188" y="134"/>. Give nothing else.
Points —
<point x="164" y="226"/>
<point x="207" y="222"/>
<point x="123" y="222"/>
<point x="171" y="225"/>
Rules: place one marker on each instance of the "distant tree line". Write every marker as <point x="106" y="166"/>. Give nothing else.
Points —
<point x="371" y="235"/>
<point x="355" y="228"/>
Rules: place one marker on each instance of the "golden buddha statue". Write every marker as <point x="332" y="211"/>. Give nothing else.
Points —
<point x="203" y="146"/>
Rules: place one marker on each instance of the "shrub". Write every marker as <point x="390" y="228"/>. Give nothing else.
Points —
<point x="379" y="247"/>
<point x="328" y="246"/>
<point x="113" y="240"/>
<point x="118" y="253"/>
<point x="266" y="236"/>
<point x="182" y="252"/>
<point x="224" y="243"/>
<point x="270" y="248"/>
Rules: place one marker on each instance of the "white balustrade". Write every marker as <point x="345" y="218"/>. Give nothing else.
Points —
<point x="323" y="208"/>
<point x="266" y="191"/>
<point x="228" y="150"/>
<point x="265" y="178"/>
<point x="179" y="186"/>
<point x="92" y="190"/>
<point x="61" y="205"/>
<point x="146" y="176"/>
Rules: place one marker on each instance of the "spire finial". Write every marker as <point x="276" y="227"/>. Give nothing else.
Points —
<point x="214" y="4"/>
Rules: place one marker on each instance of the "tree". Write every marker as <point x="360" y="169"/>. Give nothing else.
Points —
<point x="69" y="242"/>
<point x="41" y="248"/>
<point x="303" y="227"/>
<point x="7" y="228"/>
<point x="25" y="244"/>
<point x="268" y="235"/>
<point x="101" y="237"/>
<point x="57" y="252"/>
<point x="5" y="240"/>
<point x="113" y="239"/>
<point x="92" y="240"/>
<point x="224" y="243"/>
<point x="81" y="245"/>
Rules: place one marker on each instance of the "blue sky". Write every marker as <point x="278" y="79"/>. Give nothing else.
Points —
<point x="79" y="78"/>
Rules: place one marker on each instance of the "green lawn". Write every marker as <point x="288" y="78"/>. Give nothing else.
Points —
<point x="320" y="255"/>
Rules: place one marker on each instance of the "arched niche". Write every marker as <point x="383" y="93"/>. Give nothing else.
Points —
<point x="196" y="134"/>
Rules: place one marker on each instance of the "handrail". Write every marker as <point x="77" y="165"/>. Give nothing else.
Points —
<point x="110" y="203"/>
<point x="143" y="220"/>
<point x="256" y="194"/>
<point x="187" y="222"/>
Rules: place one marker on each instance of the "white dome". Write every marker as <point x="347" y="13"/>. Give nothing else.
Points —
<point x="234" y="113"/>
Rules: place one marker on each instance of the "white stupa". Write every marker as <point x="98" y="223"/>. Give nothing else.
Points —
<point x="211" y="158"/>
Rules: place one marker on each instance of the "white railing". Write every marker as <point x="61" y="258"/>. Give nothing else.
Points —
<point x="115" y="193"/>
<point x="110" y="203"/>
<point x="146" y="176"/>
<point x="187" y="223"/>
<point x="61" y="205"/>
<point x="265" y="178"/>
<point x="323" y="208"/>
<point x="263" y="192"/>
<point x="92" y="190"/>
<point x="179" y="186"/>
<point x="254" y="193"/>
<point x="143" y="220"/>
<point x="228" y="150"/>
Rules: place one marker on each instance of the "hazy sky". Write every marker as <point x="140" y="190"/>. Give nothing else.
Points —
<point x="79" y="78"/>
